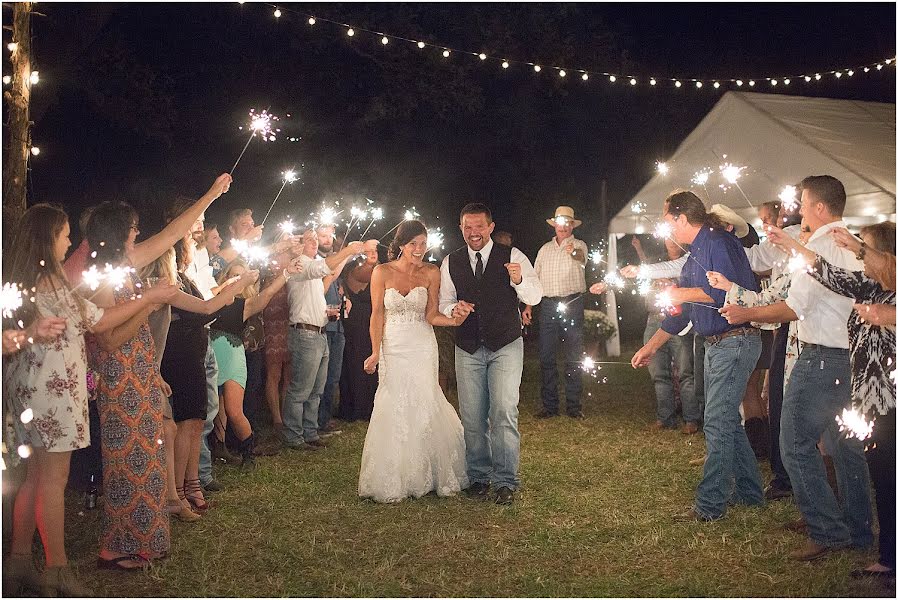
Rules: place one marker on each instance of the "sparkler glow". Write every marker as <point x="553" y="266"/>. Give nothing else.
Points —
<point x="853" y="423"/>
<point x="435" y="239"/>
<point x="376" y="213"/>
<point x="731" y="173"/>
<point x="260" y="124"/>
<point x="614" y="280"/>
<point x="663" y="230"/>
<point x="664" y="302"/>
<point x="797" y="263"/>
<point x="596" y="257"/>
<point x="287" y="226"/>
<point x="327" y="216"/>
<point x="638" y="208"/>
<point x="662" y="168"/>
<point x="288" y="176"/>
<point x="701" y="177"/>
<point x="562" y="307"/>
<point x="10" y="299"/>
<point x="789" y="197"/>
<point x="588" y="364"/>
<point x="643" y="286"/>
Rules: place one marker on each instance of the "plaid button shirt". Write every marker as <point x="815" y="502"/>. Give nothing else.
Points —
<point x="560" y="273"/>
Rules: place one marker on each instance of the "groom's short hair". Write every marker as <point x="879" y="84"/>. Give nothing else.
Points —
<point x="476" y="208"/>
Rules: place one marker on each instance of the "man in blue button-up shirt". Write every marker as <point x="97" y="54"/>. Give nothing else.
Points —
<point x="731" y="353"/>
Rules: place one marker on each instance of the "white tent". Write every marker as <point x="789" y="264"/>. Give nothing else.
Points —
<point x="778" y="140"/>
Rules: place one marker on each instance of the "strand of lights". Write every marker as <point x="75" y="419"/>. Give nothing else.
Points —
<point x="288" y="177"/>
<point x="773" y="81"/>
<point x="260" y="124"/>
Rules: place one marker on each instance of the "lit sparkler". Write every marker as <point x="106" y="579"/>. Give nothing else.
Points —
<point x="376" y="213"/>
<point x="638" y="208"/>
<point x="409" y="215"/>
<point x="663" y="230"/>
<point x="613" y="279"/>
<point x="662" y="168"/>
<point x="789" y="198"/>
<point x="261" y="125"/>
<point x="853" y="423"/>
<point x="731" y="174"/>
<point x="287" y="226"/>
<point x="798" y="263"/>
<point x="596" y="257"/>
<point x="701" y="177"/>
<point x="435" y="239"/>
<point x="288" y="176"/>
<point x="10" y="299"/>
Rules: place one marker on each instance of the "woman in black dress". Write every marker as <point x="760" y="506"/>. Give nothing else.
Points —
<point x="357" y="388"/>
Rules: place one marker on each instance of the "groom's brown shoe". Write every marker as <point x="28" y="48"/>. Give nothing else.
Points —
<point x="478" y="491"/>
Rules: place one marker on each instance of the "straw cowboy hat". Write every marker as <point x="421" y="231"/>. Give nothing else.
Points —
<point x="565" y="212"/>
<point x="728" y="215"/>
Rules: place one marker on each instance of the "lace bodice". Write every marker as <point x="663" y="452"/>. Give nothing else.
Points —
<point x="411" y="308"/>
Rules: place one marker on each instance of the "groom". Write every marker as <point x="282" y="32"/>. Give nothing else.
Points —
<point x="489" y="354"/>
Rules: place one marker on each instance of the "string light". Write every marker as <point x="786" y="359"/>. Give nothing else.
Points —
<point x="562" y="73"/>
<point x="698" y="84"/>
<point x="632" y="81"/>
<point x="350" y="32"/>
<point x="384" y="40"/>
<point x="585" y="76"/>
<point x="739" y="82"/>
<point x="652" y="81"/>
<point x="277" y="13"/>
<point x="773" y="82"/>
<point x="678" y="84"/>
<point x="311" y="20"/>
<point x="445" y="53"/>
<point x="504" y="64"/>
<point x="421" y="45"/>
<point x="482" y="56"/>
<point x="612" y="78"/>
<point x="35" y="150"/>
<point x="537" y="68"/>
<point x="12" y="46"/>
<point x="716" y="85"/>
<point x="7" y="79"/>
<point x="751" y="83"/>
<point x="35" y="77"/>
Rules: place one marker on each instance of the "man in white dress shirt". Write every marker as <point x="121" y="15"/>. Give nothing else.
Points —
<point x="820" y="386"/>
<point x="489" y="351"/>
<point x="307" y="342"/>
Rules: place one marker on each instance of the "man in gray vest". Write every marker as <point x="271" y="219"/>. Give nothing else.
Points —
<point x="489" y="354"/>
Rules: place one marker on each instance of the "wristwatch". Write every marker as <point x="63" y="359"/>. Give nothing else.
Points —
<point x="861" y="252"/>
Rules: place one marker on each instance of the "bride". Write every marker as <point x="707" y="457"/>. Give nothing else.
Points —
<point x="415" y="442"/>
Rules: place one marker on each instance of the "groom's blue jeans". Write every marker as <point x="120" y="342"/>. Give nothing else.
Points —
<point x="488" y="390"/>
<point x="731" y="469"/>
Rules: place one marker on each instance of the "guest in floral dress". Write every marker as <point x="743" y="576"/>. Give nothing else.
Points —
<point x="45" y="388"/>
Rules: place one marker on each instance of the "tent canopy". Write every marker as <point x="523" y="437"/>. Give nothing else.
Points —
<point x="779" y="140"/>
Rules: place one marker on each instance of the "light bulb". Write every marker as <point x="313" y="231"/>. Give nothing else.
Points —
<point x="751" y="83"/>
<point x="585" y="76"/>
<point x="311" y="20"/>
<point x="504" y="64"/>
<point x="773" y="82"/>
<point x="851" y="73"/>
<point x="652" y="81"/>
<point x="35" y="77"/>
<point x="445" y="54"/>
<point x="698" y="84"/>
<point x="739" y="82"/>
<point x="888" y="61"/>
<point x="35" y="150"/>
<point x="807" y="78"/>
<point x="537" y="68"/>
<point x="384" y="40"/>
<point x="838" y="75"/>
<point x="350" y="32"/>
<point x="7" y="79"/>
<point x="787" y="81"/>
<point x="562" y="73"/>
<point x="879" y="67"/>
<point x="632" y="81"/>
<point x="421" y="44"/>
<point x="482" y="56"/>
<point x="277" y="13"/>
<point x="817" y="76"/>
<point x="866" y="69"/>
<point x="678" y="84"/>
<point x="716" y="84"/>
<point x="12" y="46"/>
<point x="612" y="78"/>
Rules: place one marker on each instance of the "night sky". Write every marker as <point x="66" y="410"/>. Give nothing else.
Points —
<point x="142" y="102"/>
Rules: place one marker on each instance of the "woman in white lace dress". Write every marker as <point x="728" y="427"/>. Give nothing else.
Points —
<point x="415" y="442"/>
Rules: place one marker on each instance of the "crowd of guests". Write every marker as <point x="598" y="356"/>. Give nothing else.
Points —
<point x="153" y="377"/>
<point x="150" y="374"/>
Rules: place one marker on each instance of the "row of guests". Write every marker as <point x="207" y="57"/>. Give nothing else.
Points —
<point x="160" y="344"/>
<point x="840" y="353"/>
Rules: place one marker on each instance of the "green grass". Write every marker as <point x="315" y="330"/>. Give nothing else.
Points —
<point x="592" y="519"/>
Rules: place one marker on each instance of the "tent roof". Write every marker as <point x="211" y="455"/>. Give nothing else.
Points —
<point x="780" y="140"/>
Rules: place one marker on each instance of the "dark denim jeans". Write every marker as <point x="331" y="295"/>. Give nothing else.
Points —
<point x="731" y="471"/>
<point x="336" y="341"/>
<point x="819" y="388"/>
<point x="678" y="350"/>
<point x="776" y="374"/>
<point x="563" y="327"/>
<point x="698" y="361"/>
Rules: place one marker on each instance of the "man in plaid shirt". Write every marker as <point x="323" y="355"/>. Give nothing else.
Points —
<point x="561" y="267"/>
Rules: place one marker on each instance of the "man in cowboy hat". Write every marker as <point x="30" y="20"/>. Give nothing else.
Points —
<point x="561" y="267"/>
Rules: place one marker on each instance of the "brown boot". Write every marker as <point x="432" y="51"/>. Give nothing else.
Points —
<point x="20" y="574"/>
<point x="61" y="582"/>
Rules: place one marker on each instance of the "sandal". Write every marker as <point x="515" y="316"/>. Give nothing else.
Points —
<point x="199" y="505"/>
<point x="180" y="509"/>
<point x="116" y="563"/>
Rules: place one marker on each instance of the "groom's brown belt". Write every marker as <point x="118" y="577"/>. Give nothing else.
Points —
<point x="307" y="327"/>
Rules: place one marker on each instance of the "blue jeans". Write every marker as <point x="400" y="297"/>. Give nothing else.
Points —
<point x="308" y="363"/>
<point x="731" y="470"/>
<point x="820" y="387"/>
<point x="677" y="350"/>
<point x="698" y="363"/>
<point x="776" y="374"/>
<point x="566" y="328"/>
<point x="336" y="341"/>
<point x="211" y="413"/>
<point x="488" y="387"/>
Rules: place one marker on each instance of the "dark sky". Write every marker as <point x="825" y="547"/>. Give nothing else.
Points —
<point x="142" y="101"/>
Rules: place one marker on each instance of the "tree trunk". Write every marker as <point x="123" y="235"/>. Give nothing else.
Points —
<point x="18" y="142"/>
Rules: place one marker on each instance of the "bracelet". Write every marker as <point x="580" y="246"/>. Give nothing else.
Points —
<point x="862" y="251"/>
<point x="286" y="277"/>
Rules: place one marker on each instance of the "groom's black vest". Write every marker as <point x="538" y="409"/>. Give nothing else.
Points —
<point x="496" y="320"/>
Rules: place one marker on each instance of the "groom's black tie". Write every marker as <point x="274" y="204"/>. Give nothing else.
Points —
<point x="478" y="270"/>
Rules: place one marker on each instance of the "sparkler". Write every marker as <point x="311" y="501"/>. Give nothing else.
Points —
<point x="732" y="173"/>
<point x="377" y="214"/>
<point x="289" y="177"/>
<point x="853" y="423"/>
<point x="435" y="239"/>
<point x="701" y="177"/>
<point x="662" y="168"/>
<point x="10" y="299"/>
<point x="287" y="226"/>
<point x="260" y="124"/>
<point x="250" y="253"/>
<point x="638" y="208"/>
<point x="596" y="257"/>
<point x="663" y="230"/>
<point x="613" y="279"/>
<point x="798" y="263"/>
<point x="789" y="198"/>
<point x="409" y="215"/>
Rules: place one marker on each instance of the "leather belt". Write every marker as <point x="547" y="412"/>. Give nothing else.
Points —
<point x="713" y="339"/>
<point x="307" y="327"/>
<point x="820" y="347"/>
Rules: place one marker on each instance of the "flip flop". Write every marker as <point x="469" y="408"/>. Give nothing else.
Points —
<point x="116" y="563"/>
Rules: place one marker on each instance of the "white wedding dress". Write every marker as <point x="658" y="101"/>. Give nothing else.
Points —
<point x="415" y="442"/>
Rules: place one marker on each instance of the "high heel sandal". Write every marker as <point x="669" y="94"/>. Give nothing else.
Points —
<point x="180" y="509"/>
<point x="199" y="505"/>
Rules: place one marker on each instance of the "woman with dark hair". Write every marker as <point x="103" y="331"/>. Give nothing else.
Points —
<point x="45" y="387"/>
<point x="415" y="443"/>
<point x="129" y="392"/>
<point x="357" y="388"/>
<point x="227" y="336"/>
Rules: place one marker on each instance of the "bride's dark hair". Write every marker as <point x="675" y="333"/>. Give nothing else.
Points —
<point x="408" y="231"/>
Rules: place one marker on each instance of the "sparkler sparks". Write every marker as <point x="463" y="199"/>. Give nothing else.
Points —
<point x="731" y="173"/>
<point x="789" y="198"/>
<point x="664" y="302"/>
<point x="797" y="263"/>
<point x="327" y="216"/>
<point x="287" y="226"/>
<point x="596" y="257"/>
<point x="115" y="276"/>
<point x="288" y="176"/>
<point x="435" y="239"/>
<point x="701" y="177"/>
<point x="663" y="230"/>
<point x="638" y="208"/>
<point x="10" y="299"/>
<point x="613" y="279"/>
<point x="260" y="124"/>
<point x="853" y="423"/>
<point x="662" y="168"/>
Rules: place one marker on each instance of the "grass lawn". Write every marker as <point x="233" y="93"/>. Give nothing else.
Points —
<point x="592" y="519"/>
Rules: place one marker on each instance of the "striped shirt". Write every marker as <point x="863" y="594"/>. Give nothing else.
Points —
<point x="560" y="273"/>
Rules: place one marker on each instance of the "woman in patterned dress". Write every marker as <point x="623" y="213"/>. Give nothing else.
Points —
<point x="45" y="388"/>
<point x="129" y="393"/>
